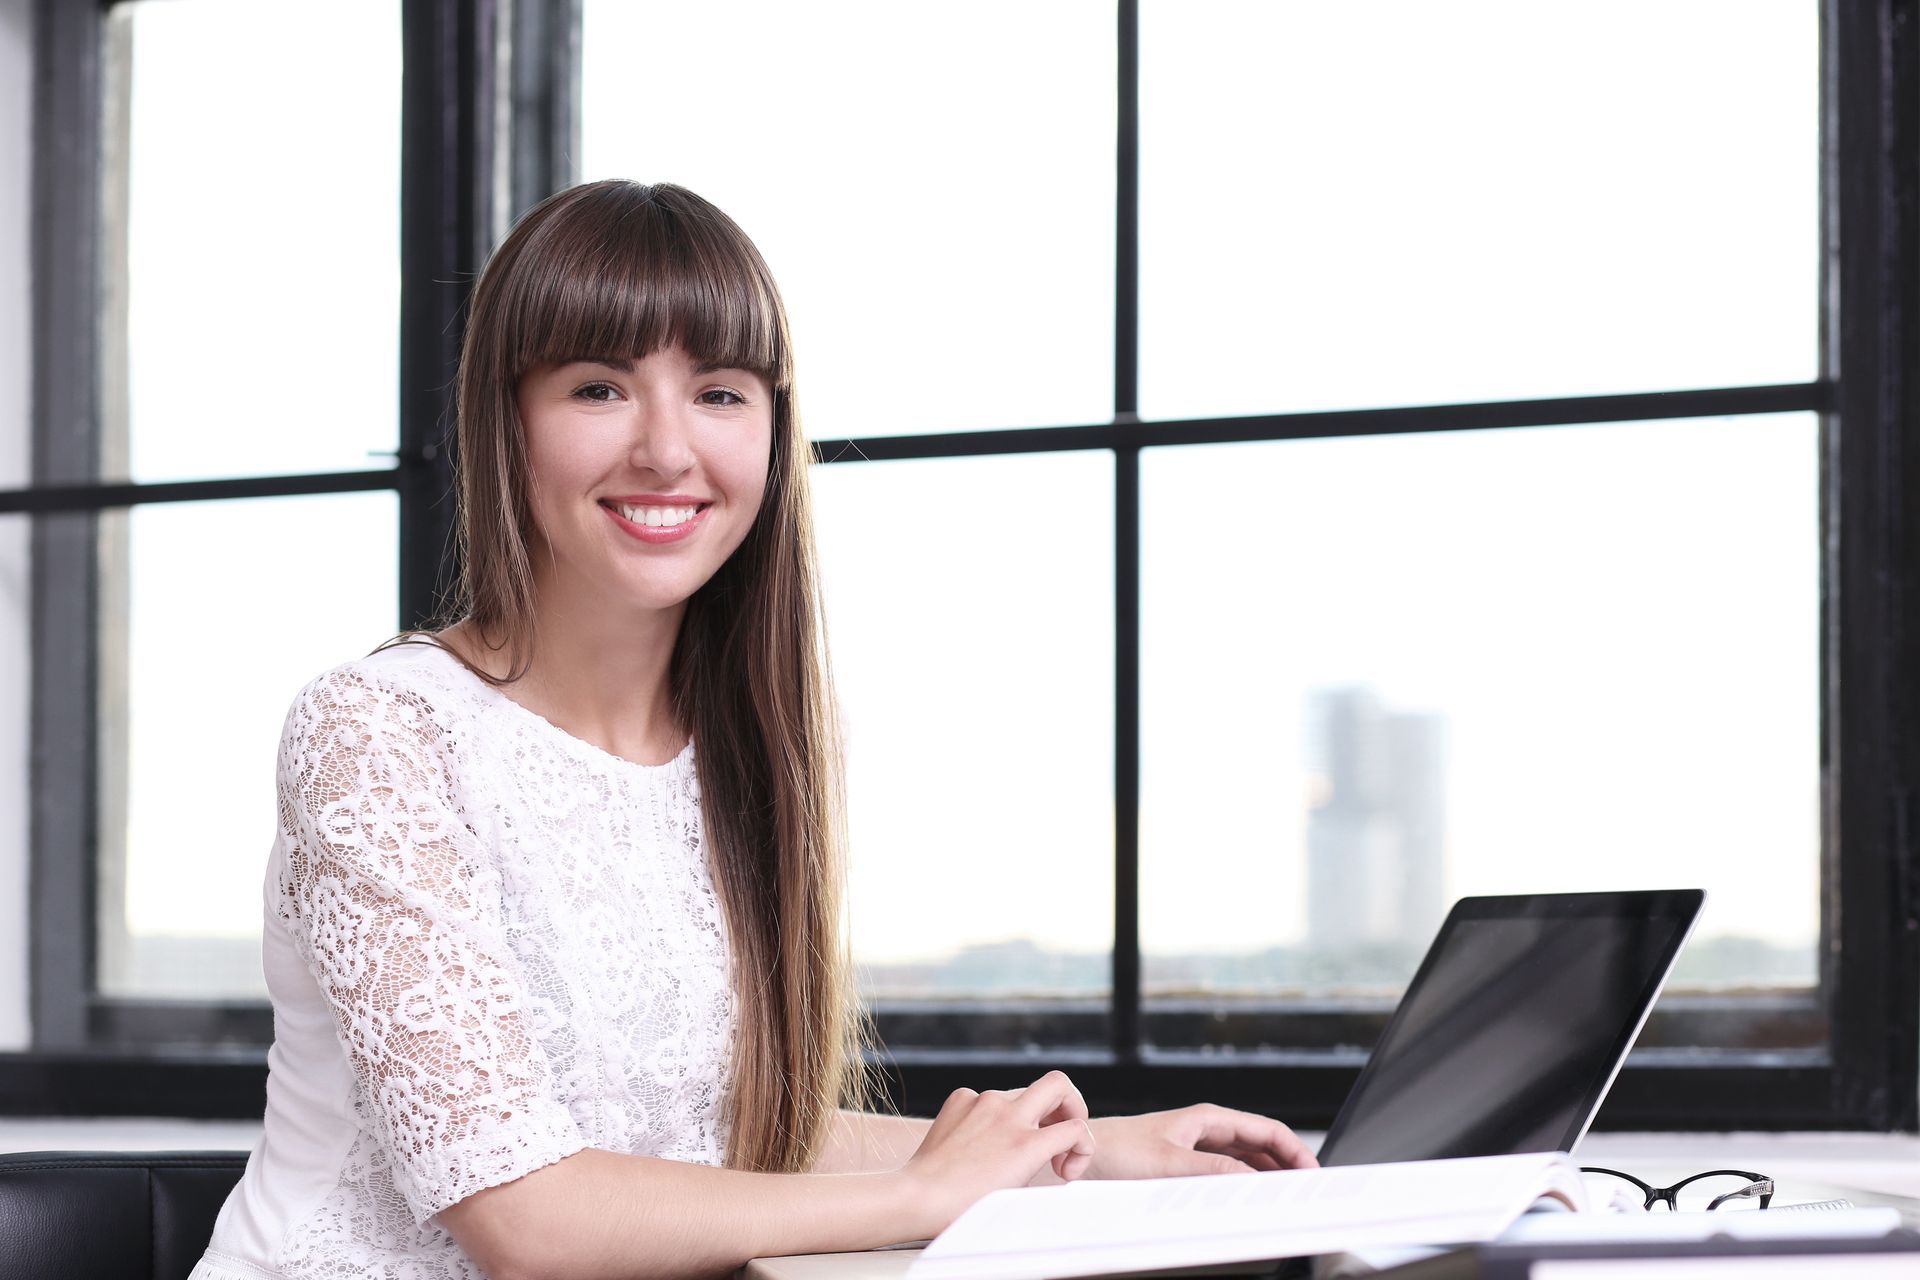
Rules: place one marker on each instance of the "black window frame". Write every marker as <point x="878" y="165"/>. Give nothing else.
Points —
<point x="469" y="168"/>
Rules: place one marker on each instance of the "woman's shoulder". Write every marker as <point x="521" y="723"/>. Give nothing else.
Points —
<point x="411" y="679"/>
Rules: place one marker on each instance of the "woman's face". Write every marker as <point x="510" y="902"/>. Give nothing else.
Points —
<point x="646" y="476"/>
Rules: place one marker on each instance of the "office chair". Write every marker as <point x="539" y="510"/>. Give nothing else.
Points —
<point x="110" y="1215"/>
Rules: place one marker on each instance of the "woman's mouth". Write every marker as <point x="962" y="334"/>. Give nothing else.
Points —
<point x="658" y="517"/>
<point x="656" y="524"/>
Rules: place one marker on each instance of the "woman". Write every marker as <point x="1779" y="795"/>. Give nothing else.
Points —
<point x="556" y="992"/>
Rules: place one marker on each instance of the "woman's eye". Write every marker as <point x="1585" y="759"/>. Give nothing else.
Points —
<point x="590" y="392"/>
<point x="727" y="397"/>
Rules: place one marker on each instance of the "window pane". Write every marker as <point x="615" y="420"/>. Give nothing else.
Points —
<point x="1386" y="672"/>
<point x="974" y="657"/>
<point x="259" y="327"/>
<point x="1409" y="203"/>
<point x="209" y="626"/>
<point x="932" y="186"/>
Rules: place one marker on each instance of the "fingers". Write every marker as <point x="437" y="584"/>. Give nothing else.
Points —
<point x="1243" y="1134"/>
<point x="1050" y="1111"/>
<point x="1054" y="1105"/>
<point x="1051" y="1098"/>
<point x="1257" y="1158"/>
<point x="958" y="1103"/>
<point x="1067" y="1145"/>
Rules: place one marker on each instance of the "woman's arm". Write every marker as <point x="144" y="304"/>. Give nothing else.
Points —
<point x="598" y="1215"/>
<point x="602" y="1214"/>
<point x="862" y="1142"/>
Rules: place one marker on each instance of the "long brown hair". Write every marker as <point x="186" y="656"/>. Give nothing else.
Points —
<point x="616" y="270"/>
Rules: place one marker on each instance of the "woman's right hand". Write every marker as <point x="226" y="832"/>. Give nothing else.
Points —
<point x="981" y="1142"/>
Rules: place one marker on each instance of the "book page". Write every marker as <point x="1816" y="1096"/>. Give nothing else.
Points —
<point x="1090" y="1228"/>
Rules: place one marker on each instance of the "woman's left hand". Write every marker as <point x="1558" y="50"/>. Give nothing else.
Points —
<point x="1191" y="1140"/>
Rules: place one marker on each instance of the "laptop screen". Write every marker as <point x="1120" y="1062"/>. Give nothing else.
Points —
<point x="1513" y="1027"/>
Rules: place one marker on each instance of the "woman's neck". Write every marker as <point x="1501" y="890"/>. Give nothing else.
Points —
<point x="600" y="675"/>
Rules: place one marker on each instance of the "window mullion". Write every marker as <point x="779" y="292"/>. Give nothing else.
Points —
<point x="446" y="220"/>
<point x="68" y="107"/>
<point x="1125" y="1029"/>
<point x="1871" y="711"/>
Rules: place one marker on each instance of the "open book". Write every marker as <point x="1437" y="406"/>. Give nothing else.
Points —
<point x="1154" y="1224"/>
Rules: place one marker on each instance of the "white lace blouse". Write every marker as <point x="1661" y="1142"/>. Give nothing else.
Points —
<point x="489" y="945"/>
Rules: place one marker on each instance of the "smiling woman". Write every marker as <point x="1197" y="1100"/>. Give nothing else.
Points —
<point x="554" y="925"/>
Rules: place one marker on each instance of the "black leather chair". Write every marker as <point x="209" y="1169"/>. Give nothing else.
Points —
<point x="110" y="1215"/>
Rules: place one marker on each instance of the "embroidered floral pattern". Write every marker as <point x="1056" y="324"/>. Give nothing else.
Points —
<point x="518" y="937"/>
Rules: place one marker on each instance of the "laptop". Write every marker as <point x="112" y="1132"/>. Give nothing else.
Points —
<point x="1514" y="1026"/>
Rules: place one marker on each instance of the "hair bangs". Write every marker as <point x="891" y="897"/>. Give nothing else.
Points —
<point x="648" y="270"/>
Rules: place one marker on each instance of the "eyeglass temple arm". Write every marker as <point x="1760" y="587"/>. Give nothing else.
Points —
<point x="1762" y="1187"/>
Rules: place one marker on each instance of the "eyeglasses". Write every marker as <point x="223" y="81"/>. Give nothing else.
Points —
<point x="1733" y="1188"/>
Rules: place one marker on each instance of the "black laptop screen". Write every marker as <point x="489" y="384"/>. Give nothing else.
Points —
<point x="1512" y="1029"/>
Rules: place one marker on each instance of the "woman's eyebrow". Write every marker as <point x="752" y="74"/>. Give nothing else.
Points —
<point x="625" y="364"/>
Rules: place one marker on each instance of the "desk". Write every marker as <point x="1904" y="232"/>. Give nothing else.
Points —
<point x="1868" y="1169"/>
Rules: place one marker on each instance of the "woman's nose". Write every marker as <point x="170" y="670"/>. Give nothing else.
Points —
<point x="663" y="442"/>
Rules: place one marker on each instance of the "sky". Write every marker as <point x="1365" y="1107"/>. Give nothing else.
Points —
<point x="1341" y="206"/>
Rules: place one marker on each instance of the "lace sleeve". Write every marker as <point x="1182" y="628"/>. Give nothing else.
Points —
<point x="398" y="912"/>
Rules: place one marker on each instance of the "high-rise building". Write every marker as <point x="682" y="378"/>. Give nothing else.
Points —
<point x="1376" y="822"/>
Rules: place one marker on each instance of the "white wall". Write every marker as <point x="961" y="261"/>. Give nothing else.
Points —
<point x="16" y="137"/>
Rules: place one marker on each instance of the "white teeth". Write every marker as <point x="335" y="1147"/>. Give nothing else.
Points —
<point x="657" y="517"/>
